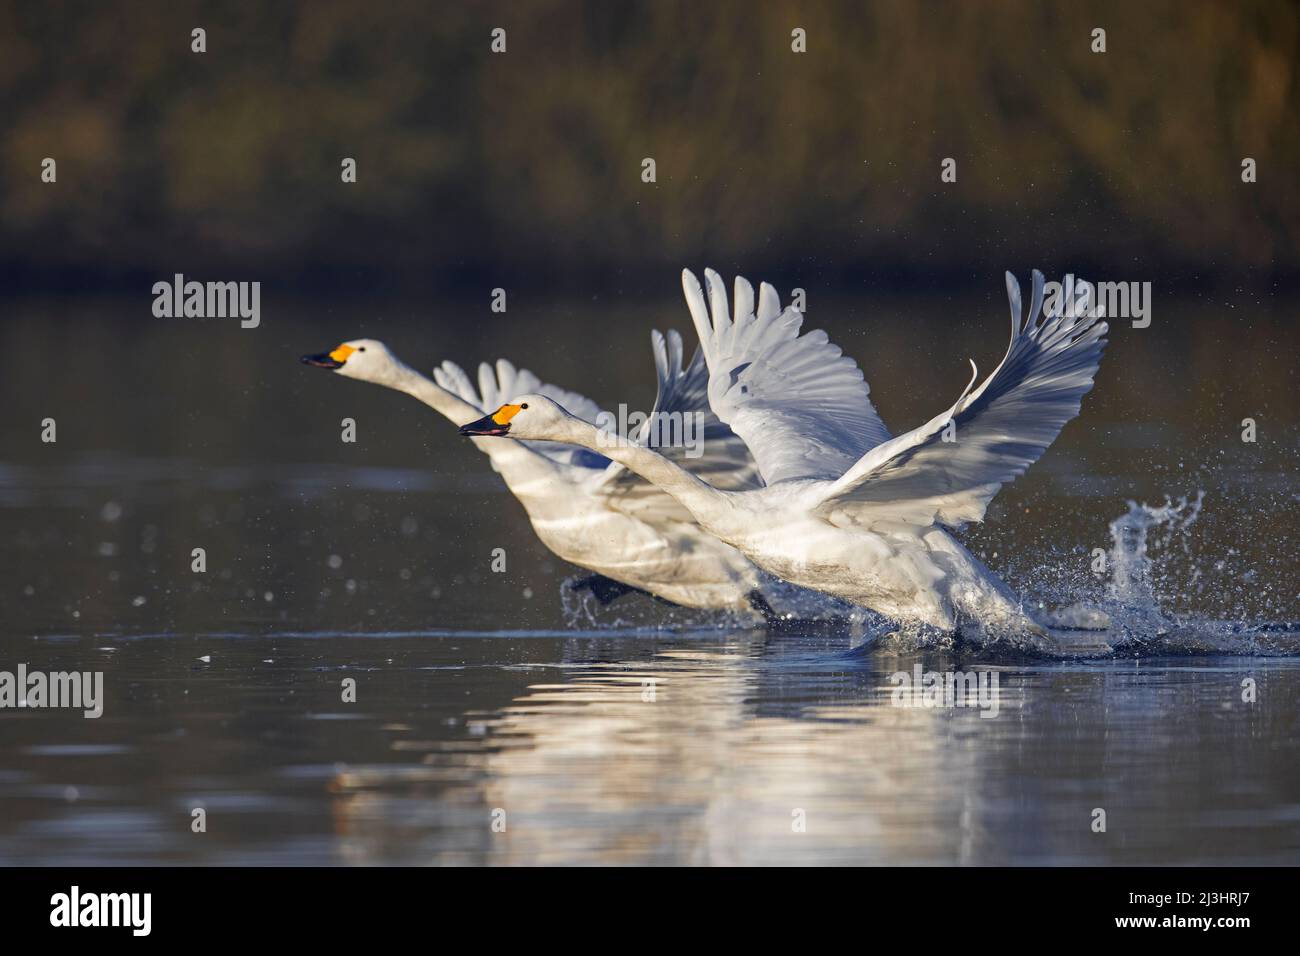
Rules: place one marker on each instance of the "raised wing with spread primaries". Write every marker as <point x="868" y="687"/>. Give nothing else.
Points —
<point x="683" y="428"/>
<point x="800" y="404"/>
<point x="949" y="473"/>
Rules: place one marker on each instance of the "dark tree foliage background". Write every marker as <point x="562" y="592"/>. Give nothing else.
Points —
<point x="472" y="164"/>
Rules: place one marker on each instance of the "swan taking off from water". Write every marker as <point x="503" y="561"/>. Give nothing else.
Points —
<point x="588" y="511"/>
<point x="847" y="509"/>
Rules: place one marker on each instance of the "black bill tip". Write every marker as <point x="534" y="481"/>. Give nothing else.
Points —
<point x="484" y="426"/>
<point x="321" y="360"/>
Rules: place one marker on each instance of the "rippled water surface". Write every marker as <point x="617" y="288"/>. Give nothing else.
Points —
<point x="499" y="720"/>
<point x="742" y="736"/>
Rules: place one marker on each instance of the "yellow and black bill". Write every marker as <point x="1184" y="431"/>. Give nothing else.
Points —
<point x="496" y="424"/>
<point x="333" y="359"/>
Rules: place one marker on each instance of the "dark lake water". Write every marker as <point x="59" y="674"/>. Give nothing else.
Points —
<point x="498" y="720"/>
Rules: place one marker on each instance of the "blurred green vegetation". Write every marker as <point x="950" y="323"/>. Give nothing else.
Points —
<point x="1126" y="163"/>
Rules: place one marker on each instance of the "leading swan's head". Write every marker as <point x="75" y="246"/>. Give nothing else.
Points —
<point x="366" y="359"/>
<point x="528" y="416"/>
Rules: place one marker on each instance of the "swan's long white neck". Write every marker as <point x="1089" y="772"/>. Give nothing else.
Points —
<point x="530" y="476"/>
<point x="403" y="378"/>
<point x="698" y="497"/>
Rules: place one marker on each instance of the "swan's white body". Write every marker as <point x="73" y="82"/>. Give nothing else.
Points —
<point x="584" y="509"/>
<point x="907" y="573"/>
<point x="846" y="509"/>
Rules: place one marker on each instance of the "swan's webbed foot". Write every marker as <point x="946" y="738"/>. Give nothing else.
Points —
<point x="603" y="589"/>
<point x="759" y="604"/>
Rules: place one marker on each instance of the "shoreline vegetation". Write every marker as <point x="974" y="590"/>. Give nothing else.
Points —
<point x="529" y="163"/>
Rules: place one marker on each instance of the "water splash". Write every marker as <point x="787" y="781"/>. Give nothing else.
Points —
<point x="583" y="611"/>
<point x="578" y="608"/>
<point x="1134" y="615"/>
<point x="1131" y="600"/>
<point x="1139" y="608"/>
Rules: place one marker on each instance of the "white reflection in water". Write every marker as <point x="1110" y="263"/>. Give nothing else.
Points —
<point x="739" y="747"/>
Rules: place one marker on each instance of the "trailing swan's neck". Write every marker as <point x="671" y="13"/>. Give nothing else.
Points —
<point x="533" y="478"/>
<point x="698" y="497"/>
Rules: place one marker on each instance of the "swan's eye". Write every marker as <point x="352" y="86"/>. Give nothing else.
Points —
<point x="362" y="349"/>
<point x="524" y="405"/>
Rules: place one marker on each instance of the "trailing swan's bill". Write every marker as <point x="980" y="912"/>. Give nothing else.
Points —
<point x="587" y="510"/>
<point x="846" y="508"/>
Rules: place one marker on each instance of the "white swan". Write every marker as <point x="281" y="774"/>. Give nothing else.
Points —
<point x="585" y="509"/>
<point x="846" y="509"/>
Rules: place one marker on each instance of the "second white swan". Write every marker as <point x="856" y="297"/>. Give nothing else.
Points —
<point x="591" y="513"/>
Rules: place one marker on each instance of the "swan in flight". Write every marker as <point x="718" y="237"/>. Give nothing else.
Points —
<point x="585" y="509"/>
<point x="846" y="508"/>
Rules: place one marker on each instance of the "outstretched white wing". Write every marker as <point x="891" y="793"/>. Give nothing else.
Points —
<point x="499" y="384"/>
<point x="949" y="473"/>
<point x="683" y="428"/>
<point x="800" y="405"/>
